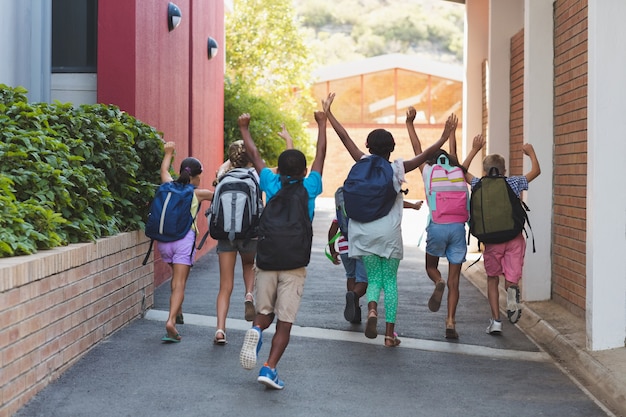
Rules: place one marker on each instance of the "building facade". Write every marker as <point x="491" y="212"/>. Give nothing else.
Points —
<point x="126" y="53"/>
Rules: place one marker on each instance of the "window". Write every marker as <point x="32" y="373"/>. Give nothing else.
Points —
<point x="74" y="35"/>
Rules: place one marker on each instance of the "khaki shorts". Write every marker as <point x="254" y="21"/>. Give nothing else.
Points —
<point x="280" y="292"/>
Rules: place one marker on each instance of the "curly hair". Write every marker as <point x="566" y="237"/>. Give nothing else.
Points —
<point x="380" y="142"/>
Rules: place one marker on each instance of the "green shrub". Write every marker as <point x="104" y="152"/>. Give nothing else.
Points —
<point x="70" y="174"/>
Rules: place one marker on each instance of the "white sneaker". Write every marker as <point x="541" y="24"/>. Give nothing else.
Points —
<point x="495" y="327"/>
<point x="513" y="308"/>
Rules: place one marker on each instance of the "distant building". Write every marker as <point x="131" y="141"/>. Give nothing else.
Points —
<point x="376" y="93"/>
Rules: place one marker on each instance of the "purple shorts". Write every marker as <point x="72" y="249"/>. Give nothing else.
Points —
<point x="181" y="251"/>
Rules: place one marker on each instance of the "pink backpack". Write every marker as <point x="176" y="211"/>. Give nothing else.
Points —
<point x="446" y="192"/>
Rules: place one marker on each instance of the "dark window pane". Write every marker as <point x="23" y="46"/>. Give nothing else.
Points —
<point x="74" y="35"/>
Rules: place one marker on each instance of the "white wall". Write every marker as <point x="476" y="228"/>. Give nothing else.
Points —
<point x="539" y="131"/>
<point x="476" y="49"/>
<point x="505" y="20"/>
<point x="25" y="46"/>
<point x="606" y="200"/>
<point x="74" y="88"/>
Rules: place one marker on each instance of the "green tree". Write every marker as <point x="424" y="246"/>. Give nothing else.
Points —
<point x="268" y="74"/>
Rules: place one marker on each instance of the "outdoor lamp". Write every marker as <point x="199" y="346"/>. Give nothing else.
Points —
<point x="212" y="47"/>
<point x="173" y="16"/>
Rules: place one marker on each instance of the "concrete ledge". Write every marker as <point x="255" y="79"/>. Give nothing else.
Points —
<point x="562" y="335"/>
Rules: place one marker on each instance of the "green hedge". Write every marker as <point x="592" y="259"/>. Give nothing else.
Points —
<point x="69" y="174"/>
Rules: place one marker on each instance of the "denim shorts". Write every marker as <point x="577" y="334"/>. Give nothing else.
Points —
<point x="354" y="268"/>
<point x="181" y="251"/>
<point x="447" y="240"/>
<point x="237" y="245"/>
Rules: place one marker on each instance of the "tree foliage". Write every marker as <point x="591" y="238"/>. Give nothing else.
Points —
<point x="344" y="30"/>
<point x="268" y="74"/>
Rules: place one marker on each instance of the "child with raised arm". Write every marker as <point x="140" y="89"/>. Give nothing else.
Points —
<point x="176" y="254"/>
<point x="379" y="242"/>
<point x="503" y="258"/>
<point x="279" y="292"/>
<point x="445" y="234"/>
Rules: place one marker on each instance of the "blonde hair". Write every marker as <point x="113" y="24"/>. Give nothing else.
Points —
<point x="237" y="155"/>
<point x="494" y="161"/>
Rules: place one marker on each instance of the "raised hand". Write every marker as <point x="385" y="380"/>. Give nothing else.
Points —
<point x="327" y="103"/>
<point x="410" y="114"/>
<point x="478" y="142"/>
<point x="244" y="120"/>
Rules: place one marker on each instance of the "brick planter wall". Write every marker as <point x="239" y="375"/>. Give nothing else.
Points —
<point x="58" y="304"/>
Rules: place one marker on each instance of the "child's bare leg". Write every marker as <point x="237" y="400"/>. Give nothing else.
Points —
<point x="493" y="296"/>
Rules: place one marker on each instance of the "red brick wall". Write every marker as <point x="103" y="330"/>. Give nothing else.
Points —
<point x="59" y="303"/>
<point x="516" y="116"/>
<point x="570" y="154"/>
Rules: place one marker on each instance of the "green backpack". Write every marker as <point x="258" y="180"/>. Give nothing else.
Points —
<point x="497" y="215"/>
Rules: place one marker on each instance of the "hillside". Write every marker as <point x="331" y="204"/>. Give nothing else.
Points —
<point x="346" y="30"/>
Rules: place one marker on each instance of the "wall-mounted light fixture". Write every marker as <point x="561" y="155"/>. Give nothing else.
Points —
<point x="212" y="47"/>
<point x="173" y="16"/>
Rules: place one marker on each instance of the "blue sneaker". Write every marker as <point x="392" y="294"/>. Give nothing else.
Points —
<point x="269" y="377"/>
<point x="251" y="346"/>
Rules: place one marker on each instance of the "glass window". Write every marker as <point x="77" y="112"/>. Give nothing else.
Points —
<point x="413" y="90"/>
<point x="74" y="35"/>
<point x="348" y="98"/>
<point x="379" y="97"/>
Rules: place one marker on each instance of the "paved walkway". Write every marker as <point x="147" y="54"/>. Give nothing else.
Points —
<point x="195" y="376"/>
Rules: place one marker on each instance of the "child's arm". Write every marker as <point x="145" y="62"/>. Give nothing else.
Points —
<point x="415" y="141"/>
<point x="320" y="154"/>
<point x="204" y="194"/>
<point x="167" y="161"/>
<point x="535" y="169"/>
<point x="354" y="151"/>
<point x="415" y="206"/>
<point x="332" y="231"/>
<point x="418" y="160"/>
<point x="253" y="153"/>
<point x="452" y="140"/>
<point x="477" y="145"/>
<point x="284" y="133"/>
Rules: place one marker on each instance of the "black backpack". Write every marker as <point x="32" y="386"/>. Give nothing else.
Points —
<point x="285" y="229"/>
<point x="497" y="215"/>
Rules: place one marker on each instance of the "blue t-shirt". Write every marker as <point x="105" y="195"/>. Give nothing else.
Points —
<point x="270" y="184"/>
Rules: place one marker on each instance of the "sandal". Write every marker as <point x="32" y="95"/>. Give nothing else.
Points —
<point x="180" y="319"/>
<point x="451" y="330"/>
<point x="435" y="300"/>
<point x="393" y="339"/>
<point x="221" y="340"/>
<point x="372" y="321"/>
<point x="249" y="311"/>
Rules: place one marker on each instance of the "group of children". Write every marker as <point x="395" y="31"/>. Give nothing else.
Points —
<point x="370" y="256"/>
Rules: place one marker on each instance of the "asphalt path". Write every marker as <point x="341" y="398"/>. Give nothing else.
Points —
<point x="330" y="368"/>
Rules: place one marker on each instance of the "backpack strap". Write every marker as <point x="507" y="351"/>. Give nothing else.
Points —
<point x="145" y="260"/>
<point x="330" y="242"/>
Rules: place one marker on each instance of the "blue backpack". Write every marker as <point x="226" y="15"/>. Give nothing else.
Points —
<point x="170" y="213"/>
<point x="368" y="190"/>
